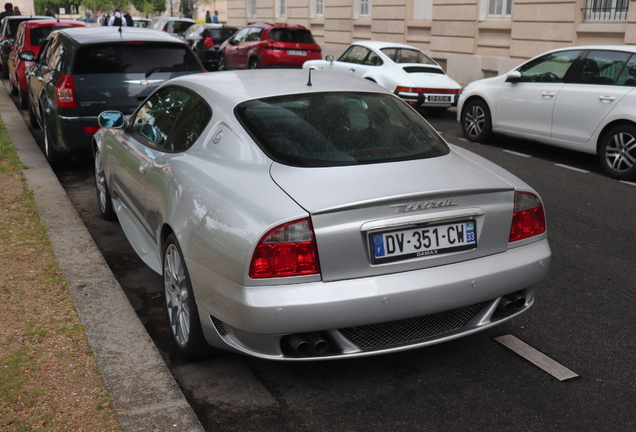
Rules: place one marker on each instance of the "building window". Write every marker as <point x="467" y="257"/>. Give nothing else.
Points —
<point x="281" y="8"/>
<point x="423" y="10"/>
<point x="251" y="8"/>
<point x="606" y="10"/>
<point x="362" y="9"/>
<point x="499" y="8"/>
<point x="317" y="9"/>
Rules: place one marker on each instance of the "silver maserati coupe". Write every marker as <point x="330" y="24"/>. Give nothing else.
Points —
<point x="311" y="215"/>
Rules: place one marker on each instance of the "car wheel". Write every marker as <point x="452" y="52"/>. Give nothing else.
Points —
<point x="221" y="64"/>
<point x="476" y="122"/>
<point x="13" y="89"/>
<point x="54" y="157"/>
<point x="5" y="71"/>
<point x="23" y="97"/>
<point x="618" y="152"/>
<point x="254" y="63"/>
<point x="181" y="308"/>
<point x="33" y="121"/>
<point x="104" y="200"/>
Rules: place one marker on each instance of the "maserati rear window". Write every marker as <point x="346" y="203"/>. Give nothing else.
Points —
<point x="134" y="57"/>
<point x="329" y="129"/>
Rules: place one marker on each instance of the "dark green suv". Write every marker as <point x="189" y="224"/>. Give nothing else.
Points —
<point x="81" y="72"/>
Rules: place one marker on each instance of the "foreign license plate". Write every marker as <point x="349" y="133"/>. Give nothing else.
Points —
<point x="423" y="241"/>
<point x="297" y="52"/>
<point x="439" y="98"/>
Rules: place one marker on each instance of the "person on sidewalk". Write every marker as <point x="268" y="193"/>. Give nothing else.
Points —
<point x="8" y="10"/>
<point x="48" y="11"/>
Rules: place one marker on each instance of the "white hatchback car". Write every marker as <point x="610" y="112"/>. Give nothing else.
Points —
<point x="580" y="98"/>
<point x="402" y="69"/>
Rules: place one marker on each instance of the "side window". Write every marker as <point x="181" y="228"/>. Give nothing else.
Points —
<point x="155" y="118"/>
<point x="254" y="35"/>
<point x="195" y="118"/>
<point x="628" y="75"/>
<point x="356" y="54"/>
<point x="44" y="52"/>
<point x="601" y="67"/>
<point x="548" y="68"/>
<point x="238" y="37"/>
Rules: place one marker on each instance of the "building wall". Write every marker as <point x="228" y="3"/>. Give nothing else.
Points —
<point x="459" y="34"/>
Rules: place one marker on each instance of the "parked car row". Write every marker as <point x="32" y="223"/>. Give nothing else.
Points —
<point x="220" y="182"/>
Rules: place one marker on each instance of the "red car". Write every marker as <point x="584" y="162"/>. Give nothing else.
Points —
<point x="29" y="37"/>
<point x="264" y="45"/>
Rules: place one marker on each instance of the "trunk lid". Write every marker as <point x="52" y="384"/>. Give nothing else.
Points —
<point x="350" y="204"/>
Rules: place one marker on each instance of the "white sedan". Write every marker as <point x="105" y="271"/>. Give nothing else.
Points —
<point x="580" y="98"/>
<point x="402" y="69"/>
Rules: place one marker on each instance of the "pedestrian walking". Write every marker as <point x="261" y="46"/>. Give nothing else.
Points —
<point x="208" y="18"/>
<point x="8" y="10"/>
<point x="16" y="10"/>
<point x="117" y="20"/>
<point x="215" y="17"/>
<point x="48" y="11"/>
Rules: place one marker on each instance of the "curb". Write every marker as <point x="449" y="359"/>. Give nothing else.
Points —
<point x="141" y="387"/>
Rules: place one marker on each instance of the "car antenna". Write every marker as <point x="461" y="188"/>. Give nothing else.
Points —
<point x="309" y="82"/>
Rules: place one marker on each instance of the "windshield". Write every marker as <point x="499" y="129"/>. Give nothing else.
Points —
<point x="405" y="55"/>
<point x="134" y="57"/>
<point x="329" y="129"/>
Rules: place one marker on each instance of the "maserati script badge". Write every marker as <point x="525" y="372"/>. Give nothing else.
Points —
<point x="405" y="208"/>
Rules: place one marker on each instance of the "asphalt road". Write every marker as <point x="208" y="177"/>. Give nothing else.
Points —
<point x="583" y="318"/>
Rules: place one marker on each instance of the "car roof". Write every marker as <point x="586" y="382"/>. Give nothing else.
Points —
<point x="171" y="18"/>
<point x="238" y="86"/>
<point x="87" y="35"/>
<point x="281" y="25"/>
<point x="628" y="48"/>
<point x="50" y="23"/>
<point x="27" y="17"/>
<point x="377" y="45"/>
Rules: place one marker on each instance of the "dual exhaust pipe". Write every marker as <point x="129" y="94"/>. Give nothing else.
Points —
<point x="309" y="343"/>
<point x="511" y="303"/>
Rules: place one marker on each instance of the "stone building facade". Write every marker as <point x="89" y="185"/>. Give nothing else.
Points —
<point x="470" y="38"/>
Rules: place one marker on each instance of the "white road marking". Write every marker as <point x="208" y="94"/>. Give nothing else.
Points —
<point x="627" y="183"/>
<point x="539" y="359"/>
<point x="516" y="153"/>
<point x="571" y="168"/>
<point x="463" y="139"/>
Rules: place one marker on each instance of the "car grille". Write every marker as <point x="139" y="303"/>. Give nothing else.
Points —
<point x="410" y="331"/>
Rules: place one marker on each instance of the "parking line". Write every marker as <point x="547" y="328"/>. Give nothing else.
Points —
<point x="572" y="168"/>
<point x="516" y="153"/>
<point x="537" y="358"/>
<point x="627" y="183"/>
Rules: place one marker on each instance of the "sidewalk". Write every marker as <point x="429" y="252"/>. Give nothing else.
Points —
<point x="141" y="388"/>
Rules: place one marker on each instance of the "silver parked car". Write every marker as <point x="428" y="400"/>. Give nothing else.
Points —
<point x="302" y="216"/>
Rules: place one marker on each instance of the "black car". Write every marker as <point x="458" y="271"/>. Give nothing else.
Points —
<point x="8" y="29"/>
<point x="206" y="39"/>
<point x="81" y="72"/>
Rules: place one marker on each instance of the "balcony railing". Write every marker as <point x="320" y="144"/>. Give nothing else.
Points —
<point x="605" y="14"/>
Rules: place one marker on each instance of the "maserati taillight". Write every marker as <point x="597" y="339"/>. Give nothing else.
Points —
<point x="287" y="250"/>
<point x="528" y="219"/>
<point x="65" y="92"/>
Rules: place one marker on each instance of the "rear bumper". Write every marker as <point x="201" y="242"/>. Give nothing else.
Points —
<point x="426" y="100"/>
<point x="71" y="136"/>
<point x="254" y="320"/>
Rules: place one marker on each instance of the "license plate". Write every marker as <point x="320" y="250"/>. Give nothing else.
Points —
<point x="439" y="98"/>
<point x="423" y="241"/>
<point x="296" y="52"/>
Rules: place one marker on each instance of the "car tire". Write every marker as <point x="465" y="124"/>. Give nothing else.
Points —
<point x="617" y="152"/>
<point x="221" y="66"/>
<point x="13" y="89"/>
<point x="5" y="71"/>
<point x="104" y="201"/>
<point x="33" y="121"/>
<point x="23" y="98"/>
<point x="476" y="121"/>
<point x="54" y="157"/>
<point x="181" y="307"/>
<point x="254" y="63"/>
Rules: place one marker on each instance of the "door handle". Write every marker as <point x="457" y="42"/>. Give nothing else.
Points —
<point x="352" y="70"/>
<point x="143" y="167"/>
<point x="548" y="95"/>
<point x="607" y="99"/>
